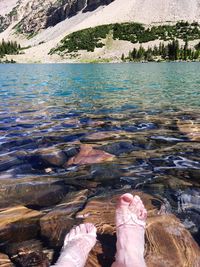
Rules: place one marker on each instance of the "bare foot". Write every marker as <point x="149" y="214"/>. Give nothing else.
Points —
<point x="77" y="246"/>
<point x="130" y="222"/>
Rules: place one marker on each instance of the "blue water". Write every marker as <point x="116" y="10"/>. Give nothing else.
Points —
<point x="147" y="115"/>
<point x="103" y="87"/>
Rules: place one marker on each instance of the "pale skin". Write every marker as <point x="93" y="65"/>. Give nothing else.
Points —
<point x="130" y="228"/>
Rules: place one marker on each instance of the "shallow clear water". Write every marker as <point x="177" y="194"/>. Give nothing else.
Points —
<point x="148" y="115"/>
<point x="103" y="87"/>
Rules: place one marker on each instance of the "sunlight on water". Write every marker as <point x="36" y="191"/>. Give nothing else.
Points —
<point x="147" y="116"/>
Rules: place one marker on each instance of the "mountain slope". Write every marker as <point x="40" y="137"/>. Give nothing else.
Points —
<point x="46" y="22"/>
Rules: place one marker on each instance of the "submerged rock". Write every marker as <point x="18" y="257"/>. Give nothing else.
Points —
<point x="89" y="155"/>
<point x="51" y="156"/>
<point x="190" y="128"/>
<point x="55" y="224"/>
<point x="189" y="209"/>
<point x="100" y="136"/>
<point x="189" y="199"/>
<point x="18" y="224"/>
<point x="29" y="253"/>
<point x="106" y="173"/>
<point x="5" y="261"/>
<point x="7" y="162"/>
<point x="118" y="148"/>
<point x="31" y="193"/>
<point x="168" y="243"/>
<point x="95" y="123"/>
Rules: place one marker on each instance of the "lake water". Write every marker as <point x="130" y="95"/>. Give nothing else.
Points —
<point x="147" y="115"/>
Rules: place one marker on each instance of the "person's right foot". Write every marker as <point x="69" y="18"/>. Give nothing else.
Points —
<point x="130" y="223"/>
<point x="77" y="246"/>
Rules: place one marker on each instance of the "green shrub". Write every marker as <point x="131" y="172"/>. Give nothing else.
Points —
<point x="9" y="48"/>
<point x="89" y="39"/>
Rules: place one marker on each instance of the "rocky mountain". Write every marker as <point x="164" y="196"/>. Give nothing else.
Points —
<point x="39" y="22"/>
<point x="34" y="15"/>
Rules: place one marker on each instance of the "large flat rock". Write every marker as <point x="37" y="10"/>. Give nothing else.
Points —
<point x="168" y="243"/>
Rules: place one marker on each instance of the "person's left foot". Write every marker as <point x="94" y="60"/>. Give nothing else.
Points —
<point x="130" y="219"/>
<point x="77" y="245"/>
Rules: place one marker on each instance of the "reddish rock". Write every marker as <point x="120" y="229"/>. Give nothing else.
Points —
<point x="168" y="243"/>
<point x="89" y="155"/>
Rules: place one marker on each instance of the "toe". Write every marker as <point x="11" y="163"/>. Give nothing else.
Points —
<point x="70" y="235"/>
<point x="143" y="214"/>
<point x="81" y="229"/>
<point x="125" y="200"/>
<point x="90" y="227"/>
<point x="73" y="232"/>
<point x="137" y="207"/>
<point x="134" y="204"/>
<point x="137" y="199"/>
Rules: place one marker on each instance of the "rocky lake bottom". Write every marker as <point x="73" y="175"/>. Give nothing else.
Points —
<point x="73" y="138"/>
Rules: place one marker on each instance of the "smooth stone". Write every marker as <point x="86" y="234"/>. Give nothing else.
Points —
<point x="71" y="151"/>
<point x="56" y="223"/>
<point x="70" y="123"/>
<point x="96" y="123"/>
<point x="170" y="182"/>
<point x="21" y="143"/>
<point x="18" y="170"/>
<point x="118" y="148"/>
<point x="52" y="156"/>
<point x="80" y="184"/>
<point x="100" y="136"/>
<point x="29" y="253"/>
<point x="106" y="172"/>
<point x="18" y="224"/>
<point x="31" y="192"/>
<point x="168" y="243"/>
<point x="89" y="155"/>
<point x="5" y="261"/>
<point x="7" y="162"/>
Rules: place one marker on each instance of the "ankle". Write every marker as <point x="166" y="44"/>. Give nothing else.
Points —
<point x="130" y="257"/>
<point x="130" y="262"/>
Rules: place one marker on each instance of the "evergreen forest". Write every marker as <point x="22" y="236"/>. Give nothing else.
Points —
<point x="172" y="52"/>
